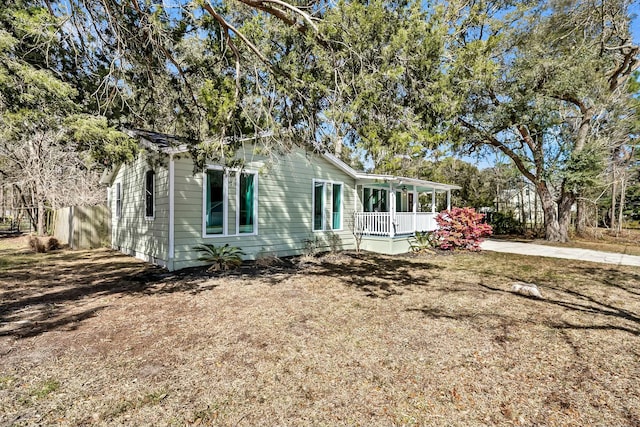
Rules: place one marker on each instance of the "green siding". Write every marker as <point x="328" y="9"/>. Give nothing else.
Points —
<point x="285" y="189"/>
<point x="132" y="233"/>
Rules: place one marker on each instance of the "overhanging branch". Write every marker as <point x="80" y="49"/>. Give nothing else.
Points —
<point x="494" y="142"/>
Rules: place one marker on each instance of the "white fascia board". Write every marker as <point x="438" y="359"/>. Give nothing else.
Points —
<point x="183" y="148"/>
<point x="431" y="184"/>
<point x="375" y="177"/>
<point x="176" y="150"/>
<point x="108" y="174"/>
<point x="166" y="150"/>
<point x="354" y="173"/>
<point x="341" y="165"/>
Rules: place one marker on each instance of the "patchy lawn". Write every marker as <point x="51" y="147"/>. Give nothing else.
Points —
<point x="97" y="338"/>
<point x="626" y="242"/>
<point x="598" y="239"/>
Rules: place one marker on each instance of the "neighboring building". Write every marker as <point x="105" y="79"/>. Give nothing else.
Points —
<point x="523" y="202"/>
<point x="161" y="207"/>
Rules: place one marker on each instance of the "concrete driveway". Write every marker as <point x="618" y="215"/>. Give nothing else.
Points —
<point x="559" y="252"/>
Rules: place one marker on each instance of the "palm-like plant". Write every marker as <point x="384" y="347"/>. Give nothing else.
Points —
<point x="220" y="257"/>
<point x="423" y="241"/>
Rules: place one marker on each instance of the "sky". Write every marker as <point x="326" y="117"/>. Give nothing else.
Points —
<point x="635" y="22"/>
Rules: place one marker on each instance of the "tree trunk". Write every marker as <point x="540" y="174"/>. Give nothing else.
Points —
<point x="557" y="218"/>
<point x="552" y="230"/>
<point x="40" y="218"/>
<point x="614" y="196"/>
<point x="523" y="220"/>
<point x="623" y="190"/>
<point x="564" y="215"/>
<point x="581" y="217"/>
<point x="535" y="211"/>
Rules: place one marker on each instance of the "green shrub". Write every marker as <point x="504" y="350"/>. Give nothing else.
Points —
<point x="505" y="223"/>
<point x="220" y="257"/>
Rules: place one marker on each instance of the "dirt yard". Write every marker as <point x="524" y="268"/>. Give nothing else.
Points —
<point x="97" y="338"/>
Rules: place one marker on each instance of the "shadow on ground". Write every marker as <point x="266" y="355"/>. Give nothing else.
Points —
<point x="378" y="276"/>
<point x="42" y="292"/>
<point x="586" y="305"/>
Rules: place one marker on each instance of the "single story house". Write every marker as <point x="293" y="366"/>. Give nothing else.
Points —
<point x="284" y="205"/>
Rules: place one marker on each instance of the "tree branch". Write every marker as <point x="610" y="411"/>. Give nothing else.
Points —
<point x="567" y="97"/>
<point x="280" y="14"/>
<point x="493" y="141"/>
<point x="628" y="65"/>
<point x="207" y="6"/>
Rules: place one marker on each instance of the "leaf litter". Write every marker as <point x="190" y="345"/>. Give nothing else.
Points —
<point x="346" y="339"/>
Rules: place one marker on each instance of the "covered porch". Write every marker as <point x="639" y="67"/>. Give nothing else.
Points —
<point x="399" y="207"/>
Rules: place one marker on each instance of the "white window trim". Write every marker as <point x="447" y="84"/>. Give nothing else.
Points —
<point x="225" y="201"/>
<point x="118" y="199"/>
<point x="153" y="195"/>
<point x="313" y="206"/>
<point x="341" y="205"/>
<point x="324" y="201"/>
<point x="255" y="201"/>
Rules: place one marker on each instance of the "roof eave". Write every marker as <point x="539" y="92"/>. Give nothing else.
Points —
<point x="108" y="174"/>
<point x="386" y="178"/>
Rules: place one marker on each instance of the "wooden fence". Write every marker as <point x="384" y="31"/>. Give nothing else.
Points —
<point x="83" y="227"/>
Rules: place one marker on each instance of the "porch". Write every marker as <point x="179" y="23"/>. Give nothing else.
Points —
<point x="391" y="224"/>
<point x="398" y="207"/>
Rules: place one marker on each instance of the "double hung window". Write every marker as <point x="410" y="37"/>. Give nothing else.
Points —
<point x="118" y="200"/>
<point x="149" y="194"/>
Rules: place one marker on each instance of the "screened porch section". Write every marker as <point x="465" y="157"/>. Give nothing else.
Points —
<point x="399" y="206"/>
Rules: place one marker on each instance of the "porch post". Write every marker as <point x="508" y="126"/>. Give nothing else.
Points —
<point x="414" y="208"/>
<point x="433" y="200"/>
<point x="391" y="202"/>
<point x="448" y="200"/>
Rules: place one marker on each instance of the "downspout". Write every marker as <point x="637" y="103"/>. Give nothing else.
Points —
<point x="171" y="249"/>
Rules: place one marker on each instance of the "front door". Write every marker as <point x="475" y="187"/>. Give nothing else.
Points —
<point x="404" y="201"/>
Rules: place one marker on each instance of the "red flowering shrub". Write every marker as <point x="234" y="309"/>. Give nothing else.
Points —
<point x="461" y="228"/>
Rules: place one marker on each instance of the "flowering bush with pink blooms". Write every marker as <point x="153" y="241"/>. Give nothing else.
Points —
<point x="461" y="228"/>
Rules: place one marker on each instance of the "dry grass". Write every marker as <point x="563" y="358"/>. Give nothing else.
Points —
<point x="96" y="338"/>
<point x="626" y="242"/>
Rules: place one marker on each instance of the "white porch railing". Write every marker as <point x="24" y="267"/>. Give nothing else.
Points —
<point x="388" y="224"/>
